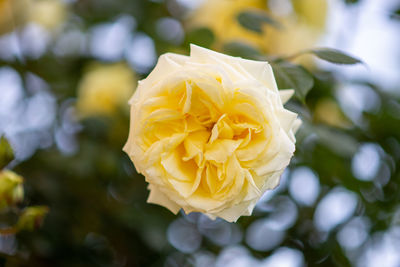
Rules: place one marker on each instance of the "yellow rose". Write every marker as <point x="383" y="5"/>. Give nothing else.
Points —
<point x="48" y="13"/>
<point x="301" y="28"/>
<point x="12" y="14"/>
<point x="209" y="133"/>
<point x="104" y="89"/>
<point x="328" y="111"/>
<point x="11" y="189"/>
<point x="220" y="17"/>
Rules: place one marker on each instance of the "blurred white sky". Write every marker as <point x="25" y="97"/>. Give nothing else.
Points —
<point x="367" y="32"/>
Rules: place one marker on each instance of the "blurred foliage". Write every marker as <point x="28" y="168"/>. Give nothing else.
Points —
<point x="6" y="153"/>
<point x="95" y="201"/>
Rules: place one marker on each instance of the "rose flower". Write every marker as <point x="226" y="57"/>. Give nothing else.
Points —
<point x="104" y="88"/>
<point x="209" y="133"/>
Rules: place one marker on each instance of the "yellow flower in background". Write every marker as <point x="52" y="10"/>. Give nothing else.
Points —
<point x="11" y="189"/>
<point x="48" y="13"/>
<point x="12" y="14"/>
<point x="104" y="89"/>
<point x="209" y="133"/>
<point x="220" y="17"/>
<point x="301" y="28"/>
<point x="328" y="111"/>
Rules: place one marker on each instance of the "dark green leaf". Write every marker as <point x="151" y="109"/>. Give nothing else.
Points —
<point x="335" y="56"/>
<point x="396" y="14"/>
<point x="289" y="76"/>
<point x="203" y="37"/>
<point x="6" y="152"/>
<point x="253" y="20"/>
<point x="239" y="49"/>
<point x="337" y="141"/>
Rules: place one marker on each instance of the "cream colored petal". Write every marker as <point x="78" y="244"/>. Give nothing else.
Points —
<point x="203" y="203"/>
<point x="194" y="144"/>
<point x="159" y="198"/>
<point x="296" y="125"/>
<point x="211" y="178"/>
<point x="286" y="119"/>
<point x="252" y="191"/>
<point x="220" y="150"/>
<point x="232" y="214"/>
<point x="188" y="100"/>
<point x="281" y="159"/>
<point x="180" y="170"/>
<point x="258" y="70"/>
<point x="202" y="55"/>
<point x="233" y="174"/>
<point x="167" y="64"/>
<point x="255" y="147"/>
<point x="184" y="189"/>
<point x="197" y="181"/>
<point x="261" y="71"/>
<point x="286" y="95"/>
<point x="212" y="91"/>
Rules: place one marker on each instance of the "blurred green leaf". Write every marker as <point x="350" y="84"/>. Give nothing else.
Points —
<point x="11" y="189"/>
<point x="289" y="76"/>
<point x="6" y="152"/>
<point x="335" y="56"/>
<point x="396" y="14"/>
<point x="203" y="37"/>
<point x="239" y="49"/>
<point x="351" y="1"/>
<point x="254" y="21"/>
<point x="32" y="218"/>
<point x="337" y="141"/>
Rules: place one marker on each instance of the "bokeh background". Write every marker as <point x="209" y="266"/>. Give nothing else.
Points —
<point x="68" y="68"/>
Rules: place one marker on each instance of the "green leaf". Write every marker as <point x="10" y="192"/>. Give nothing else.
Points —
<point x="239" y="49"/>
<point x="396" y="14"/>
<point x="337" y="141"/>
<point x="11" y="189"/>
<point x="32" y="218"/>
<point x="335" y="56"/>
<point x="254" y="21"/>
<point x="6" y="153"/>
<point x="289" y="76"/>
<point x="203" y="37"/>
<point x="351" y="1"/>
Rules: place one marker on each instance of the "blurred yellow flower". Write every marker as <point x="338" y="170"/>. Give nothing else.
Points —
<point x="12" y="14"/>
<point x="11" y="189"/>
<point x="209" y="133"/>
<point x="220" y="17"/>
<point x="328" y="111"/>
<point x="301" y="28"/>
<point x="48" y="13"/>
<point x="104" y="89"/>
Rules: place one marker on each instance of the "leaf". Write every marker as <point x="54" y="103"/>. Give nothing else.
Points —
<point x="253" y="20"/>
<point x="6" y="152"/>
<point x="203" y="37"/>
<point x="396" y="14"/>
<point x="335" y="56"/>
<point x="11" y="189"/>
<point x="32" y="218"/>
<point x="337" y="141"/>
<point x="239" y="49"/>
<point x="289" y="76"/>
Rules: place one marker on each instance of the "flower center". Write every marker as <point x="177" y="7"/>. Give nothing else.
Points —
<point x="205" y="141"/>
